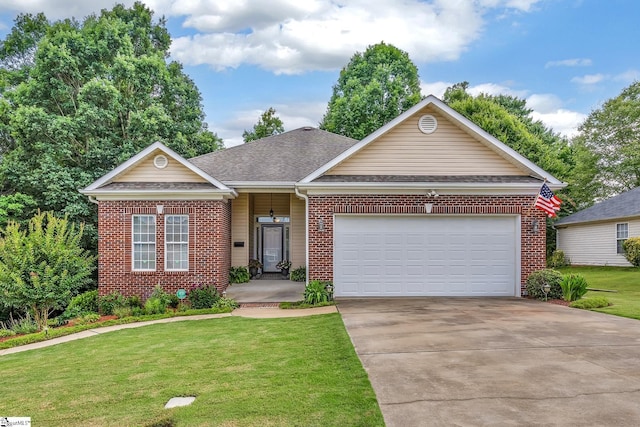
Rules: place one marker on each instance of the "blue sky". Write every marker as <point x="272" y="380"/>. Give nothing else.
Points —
<point x="565" y="57"/>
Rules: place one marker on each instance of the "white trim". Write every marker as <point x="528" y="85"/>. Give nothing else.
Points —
<point x="306" y="231"/>
<point x="141" y="156"/>
<point x="166" y="242"/>
<point x="492" y="142"/>
<point x="155" y="243"/>
<point x="157" y="195"/>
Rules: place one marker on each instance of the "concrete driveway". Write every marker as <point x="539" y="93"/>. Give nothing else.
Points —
<point x="472" y="362"/>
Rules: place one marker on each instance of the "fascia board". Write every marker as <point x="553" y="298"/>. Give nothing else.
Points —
<point x="262" y="186"/>
<point x="160" y="195"/>
<point x="419" y="188"/>
<point x="105" y="179"/>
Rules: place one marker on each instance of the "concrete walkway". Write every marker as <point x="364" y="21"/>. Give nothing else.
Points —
<point x="255" y="313"/>
<point x="496" y="362"/>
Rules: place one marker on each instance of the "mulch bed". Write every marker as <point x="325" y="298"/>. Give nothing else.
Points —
<point x="559" y="302"/>
<point x="102" y="319"/>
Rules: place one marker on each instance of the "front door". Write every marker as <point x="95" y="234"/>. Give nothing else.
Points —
<point x="271" y="247"/>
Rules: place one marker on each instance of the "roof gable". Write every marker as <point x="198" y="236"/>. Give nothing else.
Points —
<point x="498" y="158"/>
<point x="140" y="168"/>
<point x="623" y="205"/>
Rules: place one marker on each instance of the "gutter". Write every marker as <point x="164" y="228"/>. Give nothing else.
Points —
<point x="306" y="230"/>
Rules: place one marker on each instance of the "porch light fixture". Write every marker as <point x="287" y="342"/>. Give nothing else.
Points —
<point x="271" y="210"/>
<point x="428" y="207"/>
<point x="432" y="193"/>
<point x="535" y="227"/>
<point x="320" y="224"/>
<point x="160" y="209"/>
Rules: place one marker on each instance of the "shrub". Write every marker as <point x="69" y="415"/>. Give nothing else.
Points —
<point x="590" y="303"/>
<point x="81" y="304"/>
<point x="239" y="275"/>
<point x="537" y="280"/>
<point x="121" y="312"/>
<point x="316" y="292"/>
<point x="174" y="301"/>
<point x="21" y="325"/>
<point x="135" y="301"/>
<point x="558" y="259"/>
<point x="632" y="250"/>
<point x="160" y="294"/>
<point x="87" y="318"/>
<point x="108" y="303"/>
<point x="573" y="287"/>
<point x="299" y="274"/>
<point x="6" y="333"/>
<point x="224" y="303"/>
<point x="155" y="305"/>
<point x="203" y="296"/>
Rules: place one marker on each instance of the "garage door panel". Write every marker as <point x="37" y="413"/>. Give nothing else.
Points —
<point x="437" y="255"/>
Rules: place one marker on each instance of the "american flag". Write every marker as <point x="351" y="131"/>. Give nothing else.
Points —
<point x="547" y="201"/>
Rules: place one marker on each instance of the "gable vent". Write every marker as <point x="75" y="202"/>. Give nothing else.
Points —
<point x="160" y="161"/>
<point x="427" y="124"/>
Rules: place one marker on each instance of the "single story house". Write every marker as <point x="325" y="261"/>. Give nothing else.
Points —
<point x="594" y="236"/>
<point x="427" y="205"/>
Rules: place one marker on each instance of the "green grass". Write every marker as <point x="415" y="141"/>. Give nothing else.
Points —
<point x="243" y="372"/>
<point x="625" y="280"/>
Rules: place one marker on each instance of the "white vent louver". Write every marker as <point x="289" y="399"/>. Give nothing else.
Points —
<point x="427" y="124"/>
<point x="160" y="161"/>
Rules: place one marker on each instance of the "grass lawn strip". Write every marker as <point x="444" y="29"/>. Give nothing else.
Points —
<point x="251" y="372"/>
<point x="625" y="280"/>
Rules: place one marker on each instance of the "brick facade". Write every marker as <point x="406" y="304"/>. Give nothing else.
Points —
<point x="533" y="250"/>
<point x="209" y="246"/>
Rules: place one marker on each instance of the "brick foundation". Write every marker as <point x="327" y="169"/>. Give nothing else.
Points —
<point x="533" y="250"/>
<point x="209" y="246"/>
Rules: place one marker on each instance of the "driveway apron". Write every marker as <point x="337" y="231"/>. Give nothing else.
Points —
<point x="496" y="361"/>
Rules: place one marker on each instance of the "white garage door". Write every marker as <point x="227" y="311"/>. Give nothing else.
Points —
<point x="425" y="256"/>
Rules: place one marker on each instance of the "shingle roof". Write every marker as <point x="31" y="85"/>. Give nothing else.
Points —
<point x="287" y="157"/>
<point x="621" y="206"/>
<point x="169" y="186"/>
<point x="488" y="179"/>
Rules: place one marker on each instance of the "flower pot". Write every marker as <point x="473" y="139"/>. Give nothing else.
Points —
<point x="285" y="272"/>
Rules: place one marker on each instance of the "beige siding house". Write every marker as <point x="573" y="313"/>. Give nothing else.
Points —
<point x="594" y="235"/>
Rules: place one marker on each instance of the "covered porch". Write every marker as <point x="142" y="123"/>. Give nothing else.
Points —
<point x="268" y="225"/>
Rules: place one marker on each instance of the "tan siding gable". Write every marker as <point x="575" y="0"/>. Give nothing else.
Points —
<point x="264" y="202"/>
<point x="405" y="150"/>
<point x="145" y="171"/>
<point x="594" y="244"/>
<point x="298" y="234"/>
<point x="240" y="226"/>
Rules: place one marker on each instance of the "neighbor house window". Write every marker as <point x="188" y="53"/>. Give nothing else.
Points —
<point x="622" y="234"/>
<point x="176" y="240"/>
<point x="144" y="242"/>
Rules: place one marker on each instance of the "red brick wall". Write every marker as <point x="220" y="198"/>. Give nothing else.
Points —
<point x="209" y="246"/>
<point x="533" y="251"/>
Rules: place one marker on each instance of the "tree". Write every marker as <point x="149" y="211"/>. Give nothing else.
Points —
<point x="96" y="93"/>
<point x="609" y="144"/>
<point x="42" y="268"/>
<point x="373" y="88"/>
<point x="16" y="207"/>
<point x="269" y="124"/>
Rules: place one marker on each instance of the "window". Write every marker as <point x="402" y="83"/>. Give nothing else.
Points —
<point x="144" y="242"/>
<point x="176" y="240"/>
<point x="622" y="234"/>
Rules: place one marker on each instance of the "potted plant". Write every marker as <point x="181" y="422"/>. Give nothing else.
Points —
<point x="284" y="267"/>
<point x="254" y="266"/>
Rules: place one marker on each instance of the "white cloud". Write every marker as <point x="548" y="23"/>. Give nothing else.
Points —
<point x="293" y="116"/>
<point x="59" y="9"/>
<point x="628" y="76"/>
<point x="589" y="79"/>
<point x="495" y="89"/>
<point x="574" y="62"/>
<point x="435" y="88"/>
<point x="544" y="103"/>
<point x="563" y="121"/>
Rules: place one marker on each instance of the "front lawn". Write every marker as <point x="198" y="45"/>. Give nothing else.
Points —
<point x="243" y="372"/>
<point x="625" y="280"/>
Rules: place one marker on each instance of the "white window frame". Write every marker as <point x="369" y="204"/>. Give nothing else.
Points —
<point x="150" y="243"/>
<point x="182" y="243"/>
<point x="622" y="234"/>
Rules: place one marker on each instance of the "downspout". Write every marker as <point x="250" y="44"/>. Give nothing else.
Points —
<point x="92" y="199"/>
<point x="306" y="229"/>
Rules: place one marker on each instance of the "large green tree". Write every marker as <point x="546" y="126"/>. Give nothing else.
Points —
<point x="608" y="143"/>
<point x="373" y="88"/>
<point x="268" y="124"/>
<point x="86" y="98"/>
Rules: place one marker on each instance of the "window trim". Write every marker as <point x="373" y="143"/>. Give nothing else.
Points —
<point x="167" y="242"/>
<point x="134" y="243"/>
<point x="619" y="240"/>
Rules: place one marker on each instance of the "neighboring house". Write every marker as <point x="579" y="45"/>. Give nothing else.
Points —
<point x="594" y="236"/>
<point x="429" y="204"/>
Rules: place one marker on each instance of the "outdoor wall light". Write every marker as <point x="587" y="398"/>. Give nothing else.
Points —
<point x="320" y="225"/>
<point x="535" y="227"/>
<point x="428" y="207"/>
<point x="160" y="209"/>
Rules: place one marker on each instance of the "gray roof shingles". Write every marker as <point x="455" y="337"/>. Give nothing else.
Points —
<point x="623" y="205"/>
<point x="287" y="157"/>
<point x="485" y="179"/>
